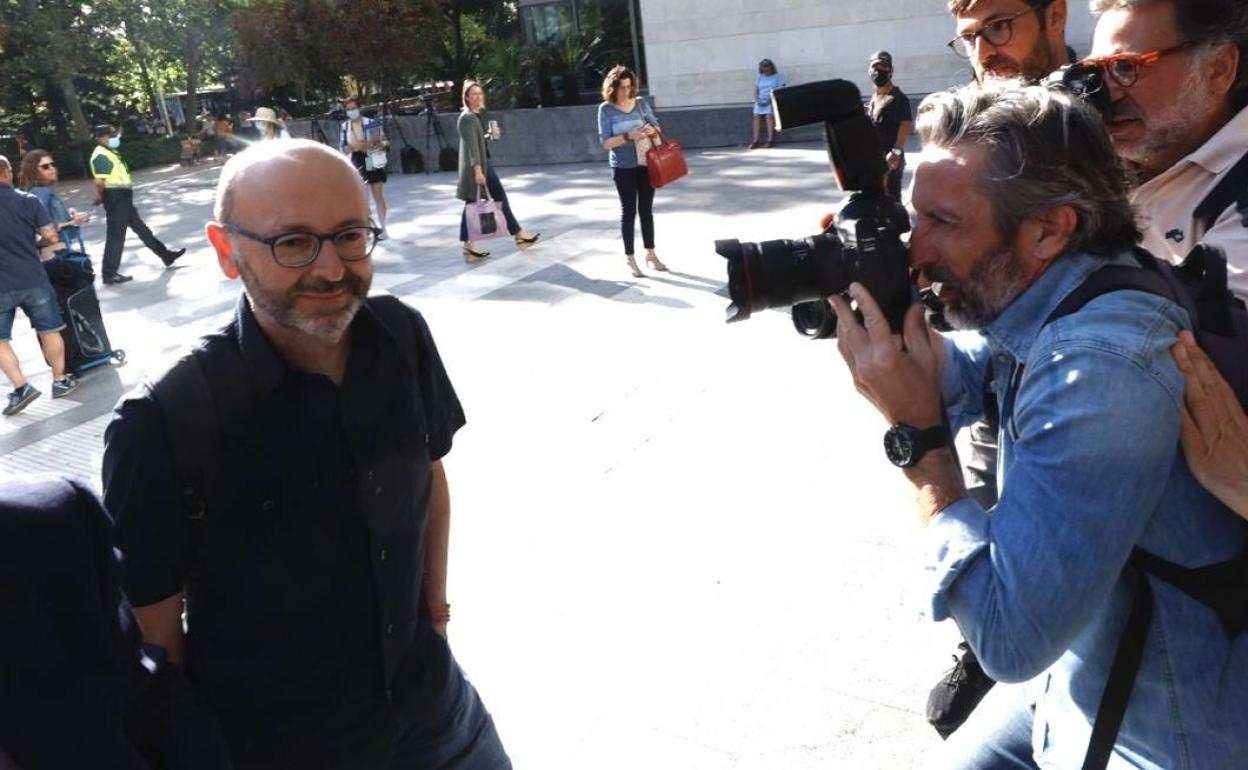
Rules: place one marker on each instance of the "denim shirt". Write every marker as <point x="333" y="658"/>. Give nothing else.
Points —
<point x="613" y="121"/>
<point x="1090" y="468"/>
<point x="57" y="212"/>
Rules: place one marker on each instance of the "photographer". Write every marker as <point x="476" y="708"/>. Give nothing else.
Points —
<point x="1018" y="199"/>
<point x="1177" y="73"/>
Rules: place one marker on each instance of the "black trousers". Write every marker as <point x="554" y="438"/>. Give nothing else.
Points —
<point x="119" y="206"/>
<point x="636" y="197"/>
<point x="495" y="186"/>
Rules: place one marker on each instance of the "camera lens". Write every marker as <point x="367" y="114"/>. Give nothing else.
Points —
<point x="782" y="272"/>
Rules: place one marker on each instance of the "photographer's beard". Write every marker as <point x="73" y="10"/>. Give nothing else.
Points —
<point x="973" y="302"/>
<point x="281" y="306"/>
<point x="1153" y="142"/>
<point x="1038" y="63"/>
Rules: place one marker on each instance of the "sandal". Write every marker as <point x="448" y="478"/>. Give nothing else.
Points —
<point x="527" y="241"/>
<point x="472" y="255"/>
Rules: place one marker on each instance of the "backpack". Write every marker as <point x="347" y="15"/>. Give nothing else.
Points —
<point x="1220" y="324"/>
<point x="191" y="411"/>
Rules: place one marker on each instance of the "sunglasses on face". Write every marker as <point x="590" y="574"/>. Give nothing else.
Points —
<point x="1125" y="67"/>
<point x="997" y="32"/>
<point x="46" y="166"/>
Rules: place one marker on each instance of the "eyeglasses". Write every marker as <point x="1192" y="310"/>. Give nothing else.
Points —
<point x="301" y="249"/>
<point x="1125" y="67"/>
<point x="46" y="166"/>
<point x="997" y="32"/>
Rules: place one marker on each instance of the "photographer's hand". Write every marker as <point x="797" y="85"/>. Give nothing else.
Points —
<point x="900" y="375"/>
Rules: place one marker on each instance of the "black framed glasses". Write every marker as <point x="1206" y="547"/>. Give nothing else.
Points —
<point x="301" y="249"/>
<point x="997" y="32"/>
<point x="1125" y="67"/>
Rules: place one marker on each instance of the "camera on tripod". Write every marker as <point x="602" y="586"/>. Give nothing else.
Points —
<point x="863" y="243"/>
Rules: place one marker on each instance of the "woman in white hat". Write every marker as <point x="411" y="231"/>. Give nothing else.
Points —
<point x="269" y="126"/>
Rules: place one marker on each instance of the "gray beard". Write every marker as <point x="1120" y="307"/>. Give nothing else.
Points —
<point x="329" y="328"/>
<point x="994" y="283"/>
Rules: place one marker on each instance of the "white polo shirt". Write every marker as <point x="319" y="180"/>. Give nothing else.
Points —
<point x="1166" y="204"/>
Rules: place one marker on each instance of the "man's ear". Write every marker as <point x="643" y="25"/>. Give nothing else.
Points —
<point x="219" y="237"/>
<point x="1047" y="236"/>
<point x="1221" y="68"/>
<point x="1055" y="16"/>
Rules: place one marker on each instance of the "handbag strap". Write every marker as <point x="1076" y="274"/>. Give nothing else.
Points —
<point x="483" y="193"/>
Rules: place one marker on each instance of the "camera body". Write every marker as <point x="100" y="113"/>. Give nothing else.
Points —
<point x="1085" y="81"/>
<point x="862" y="245"/>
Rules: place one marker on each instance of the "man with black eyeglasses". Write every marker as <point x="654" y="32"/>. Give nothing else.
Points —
<point x="283" y="486"/>
<point x="1010" y="38"/>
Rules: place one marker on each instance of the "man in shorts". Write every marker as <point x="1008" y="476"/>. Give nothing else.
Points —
<point x="23" y="283"/>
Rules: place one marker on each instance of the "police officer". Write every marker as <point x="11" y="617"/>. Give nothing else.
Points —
<point x="113" y="189"/>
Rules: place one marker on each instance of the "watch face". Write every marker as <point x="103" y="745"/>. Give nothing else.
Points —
<point x="899" y="446"/>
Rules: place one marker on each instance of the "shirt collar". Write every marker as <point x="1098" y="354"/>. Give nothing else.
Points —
<point x="1016" y="329"/>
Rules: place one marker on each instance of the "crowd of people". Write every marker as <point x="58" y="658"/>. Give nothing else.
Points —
<point x="1116" y="445"/>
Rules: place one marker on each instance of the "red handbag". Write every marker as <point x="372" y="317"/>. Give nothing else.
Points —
<point x="666" y="162"/>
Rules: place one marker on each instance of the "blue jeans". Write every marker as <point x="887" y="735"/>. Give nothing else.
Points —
<point x="39" y="305"/>
<point x="997" y="736"/>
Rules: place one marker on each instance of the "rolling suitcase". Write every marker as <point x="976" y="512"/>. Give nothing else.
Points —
<point x="86" y="341"/>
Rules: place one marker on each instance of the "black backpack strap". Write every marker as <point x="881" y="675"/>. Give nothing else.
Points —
<point x="1232" y="189"/>
<point x="1112" y="278"/>
<point x="190" y="414"/>
<point x="1223" y="587"/>
<point x="1122" y="672"/>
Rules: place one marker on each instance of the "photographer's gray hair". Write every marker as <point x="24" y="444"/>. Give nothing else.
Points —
<point x="1046" y="148"/>
<point x="1207" y="23"/>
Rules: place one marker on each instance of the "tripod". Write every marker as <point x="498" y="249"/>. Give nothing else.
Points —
<point x="446" y="161"/>
<point x="318" y="133"/>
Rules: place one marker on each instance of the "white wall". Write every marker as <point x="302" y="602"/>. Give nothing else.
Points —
<point x="706" y="52"/>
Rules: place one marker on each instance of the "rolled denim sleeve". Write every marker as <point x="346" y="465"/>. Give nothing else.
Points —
<point x="1084" y="475"/>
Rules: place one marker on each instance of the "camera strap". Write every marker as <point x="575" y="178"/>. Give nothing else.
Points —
<point x="1231" y="189"/>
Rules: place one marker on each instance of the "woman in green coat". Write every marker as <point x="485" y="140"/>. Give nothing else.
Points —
<point x="476" y="175"/>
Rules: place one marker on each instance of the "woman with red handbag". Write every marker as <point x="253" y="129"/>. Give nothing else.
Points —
<point x="476" y="174"/>
<point x="623" y="120"/>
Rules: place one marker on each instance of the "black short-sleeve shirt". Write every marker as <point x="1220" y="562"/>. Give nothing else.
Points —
<point x="304" y="581"/>
<point x="888" y="112"/>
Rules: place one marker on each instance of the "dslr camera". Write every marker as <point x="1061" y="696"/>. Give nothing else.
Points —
<point x="863" y="243"/>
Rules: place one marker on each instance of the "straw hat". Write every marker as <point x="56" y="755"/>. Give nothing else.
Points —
<point x="265" y="115"/>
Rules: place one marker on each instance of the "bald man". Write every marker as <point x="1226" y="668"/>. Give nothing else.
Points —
<point x="283" y="486"/>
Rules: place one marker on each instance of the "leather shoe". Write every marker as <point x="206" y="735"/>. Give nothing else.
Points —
<point x="116" y="278"/>
<point x="172" y="256"/>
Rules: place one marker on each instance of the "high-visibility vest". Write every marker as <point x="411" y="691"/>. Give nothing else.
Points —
<point x="119" y="176"/>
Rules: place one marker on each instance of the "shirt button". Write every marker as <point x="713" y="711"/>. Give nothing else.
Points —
<point x="1003" y="359"/>
<point x="390" y="629"/>
<point x="382" y="555"/>
<point x="267" y="505"/>
<point x="377" y="489"/>
<point x="370" y="476"/>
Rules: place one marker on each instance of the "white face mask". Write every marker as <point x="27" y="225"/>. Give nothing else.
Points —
<point x="353" y="114"/>
<point x="114" y="142"/>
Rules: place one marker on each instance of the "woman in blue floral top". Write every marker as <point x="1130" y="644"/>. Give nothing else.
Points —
<point x="623" y="120"/>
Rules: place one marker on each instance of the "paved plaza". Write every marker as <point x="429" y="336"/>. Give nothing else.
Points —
<point x="676" y="543"/>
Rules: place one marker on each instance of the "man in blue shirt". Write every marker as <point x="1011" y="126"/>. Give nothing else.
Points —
<point x="24" y="226"/>
<point x="1018" y="198"/>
